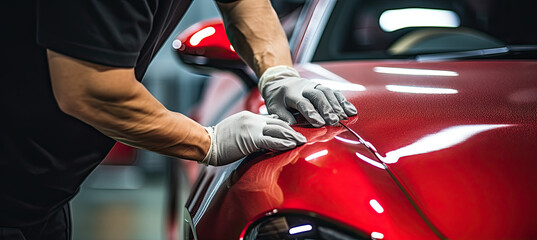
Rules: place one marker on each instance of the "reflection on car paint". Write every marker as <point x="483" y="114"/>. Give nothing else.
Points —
<point x="376" y="206"/>
<point x="377" y="235"/>
<point x="413" y="71"/>
<point x="225" y="172"/>
<point x="347" y="140"/>
<point x="370" y="161"/>
<point x="279" y="180"/>
<point x="424" y="196"/>
<point x="420" y="90"/>
<point x="441" y="140"/>
<point x="300" y="229"/>
<point x="201" y="34"/>
<point x="316" y="155"/>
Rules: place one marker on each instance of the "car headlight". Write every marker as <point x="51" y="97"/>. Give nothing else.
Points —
<point x="298" y="226"/>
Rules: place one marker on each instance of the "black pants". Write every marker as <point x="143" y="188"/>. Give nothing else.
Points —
<point x="56" y="227"/>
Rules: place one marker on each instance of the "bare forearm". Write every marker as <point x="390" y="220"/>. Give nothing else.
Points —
<point x="141" y="121"/>
<point x="256" y="34"/>
<point x="112" y="101"/>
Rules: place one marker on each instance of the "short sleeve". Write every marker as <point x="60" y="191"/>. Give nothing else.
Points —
<point x="107" y="32"/>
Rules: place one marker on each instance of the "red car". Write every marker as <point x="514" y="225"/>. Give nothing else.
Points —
<point x="444" y="145"/>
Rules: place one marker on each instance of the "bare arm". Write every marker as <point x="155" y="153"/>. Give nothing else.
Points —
<point x="255" y="32"/>
<point x="115" y="103"/>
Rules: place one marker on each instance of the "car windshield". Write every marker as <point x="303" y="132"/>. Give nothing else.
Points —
<point x="429" y="29"/>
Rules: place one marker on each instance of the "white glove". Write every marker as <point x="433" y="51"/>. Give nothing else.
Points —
<point x="245" y="133"/>
<point x="283" y="88"/>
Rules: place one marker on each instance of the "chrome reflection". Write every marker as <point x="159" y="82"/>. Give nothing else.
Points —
<point x="420" y="90"/>
<point x="201" y="34"/>
<point x="441" y="140"/>
<point x="370" y="161"/>
<point x="376" y="206"/>
<point x="392" y="20"/>
<point x="413" y="71"/>
<point x="316" y="155"/>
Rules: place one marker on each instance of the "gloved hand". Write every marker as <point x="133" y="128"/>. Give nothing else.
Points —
<point x="244" y="133"/>
<point x="283" y="88"/>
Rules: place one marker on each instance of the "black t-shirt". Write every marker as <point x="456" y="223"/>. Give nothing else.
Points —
<point x="45" y="154"/>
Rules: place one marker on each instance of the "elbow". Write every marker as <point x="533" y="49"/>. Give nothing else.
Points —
<point x="74" y="103"/>
<point x="70" y="105"/>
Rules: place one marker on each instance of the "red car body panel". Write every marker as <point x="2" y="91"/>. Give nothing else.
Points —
<point x="336" y="184"/>
<point x="459" y="164"/>
<point x="120" y="154"/>
<point x="468" y="159"/>
<point x="207" y="38"/>
<point x="448" y="150"/>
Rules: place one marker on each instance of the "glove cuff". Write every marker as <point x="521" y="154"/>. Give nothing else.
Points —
<point x="275" y="73"/>
<point x="210" y="158"/>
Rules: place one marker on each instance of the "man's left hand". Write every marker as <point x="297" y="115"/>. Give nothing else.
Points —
<point x="284" y="89"/>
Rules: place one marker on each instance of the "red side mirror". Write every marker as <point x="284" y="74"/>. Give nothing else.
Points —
<point x="205" y="41"/>
<point x="205" y="44"/>
<point x="120" y="154"/>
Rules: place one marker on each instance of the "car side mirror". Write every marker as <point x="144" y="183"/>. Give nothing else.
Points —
<point x="205" y="44"/>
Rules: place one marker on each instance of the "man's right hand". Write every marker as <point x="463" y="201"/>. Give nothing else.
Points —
<point x="245" y="133"/>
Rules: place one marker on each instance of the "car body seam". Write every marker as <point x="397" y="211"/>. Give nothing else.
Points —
<point x="407" y="194"/>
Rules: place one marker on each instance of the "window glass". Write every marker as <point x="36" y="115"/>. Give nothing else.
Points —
<point x="392" y="29"/>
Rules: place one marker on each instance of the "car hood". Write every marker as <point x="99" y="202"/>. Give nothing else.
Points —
<point x="333" y="176"/>
<point x="460" y="137"/>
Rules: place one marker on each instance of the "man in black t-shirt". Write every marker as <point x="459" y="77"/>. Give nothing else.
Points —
<point x="67" y="96"/>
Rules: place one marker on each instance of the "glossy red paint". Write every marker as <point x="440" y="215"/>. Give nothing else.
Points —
<point x="325" y="176"/>
<point x="462" y="159"/>
<point x="457" y="140"/>
<point x="467" y="158"/>
<point x="207" y="39"/>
